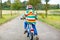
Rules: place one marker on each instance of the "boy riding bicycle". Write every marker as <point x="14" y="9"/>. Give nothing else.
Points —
<point x="30" y="18"/>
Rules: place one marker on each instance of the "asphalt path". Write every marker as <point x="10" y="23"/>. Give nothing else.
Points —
<point x="13" y="30"/>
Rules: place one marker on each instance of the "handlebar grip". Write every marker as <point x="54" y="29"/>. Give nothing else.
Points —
<point x="22" y="18"/>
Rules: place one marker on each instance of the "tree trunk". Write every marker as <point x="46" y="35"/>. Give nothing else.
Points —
<point x="11" y="8"/>
<point x="46" y="8"/>
<point x="0" y="8"/>
<point x="0" y="13"/>
<point x="11" y="12"/>
<point x="46" y="12"/>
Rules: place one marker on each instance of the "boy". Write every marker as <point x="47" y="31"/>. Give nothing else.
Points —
<point x="30" y="17"/>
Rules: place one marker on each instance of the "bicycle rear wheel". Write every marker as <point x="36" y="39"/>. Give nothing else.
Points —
<point x="31" y="36"/>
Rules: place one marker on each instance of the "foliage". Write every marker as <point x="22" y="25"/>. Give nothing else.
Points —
<point x="6" y="5"/>
<point x="38" y="5"/>
<point x="51" y="20"/>
<point x="34" y="2"/>
<point x="16" y="5"/>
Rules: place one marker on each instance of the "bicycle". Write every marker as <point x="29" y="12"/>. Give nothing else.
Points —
<point x="30" y="31"/>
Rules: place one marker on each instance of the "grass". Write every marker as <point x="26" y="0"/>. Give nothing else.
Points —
<point x="52" y="20"/>
<point x="7" y="17"/>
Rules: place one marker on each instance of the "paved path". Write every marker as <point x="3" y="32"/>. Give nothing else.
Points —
<point x="13" y="30"/>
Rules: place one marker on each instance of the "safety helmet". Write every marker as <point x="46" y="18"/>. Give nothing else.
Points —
<point x="29" y="7"/>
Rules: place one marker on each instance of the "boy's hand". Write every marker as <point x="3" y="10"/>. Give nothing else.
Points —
<point x="23" y="18"/>
<point x="36" y="18"/>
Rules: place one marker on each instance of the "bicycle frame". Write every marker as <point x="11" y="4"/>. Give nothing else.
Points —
<point x="29" y="28"/>
<point x="30" y="31"/>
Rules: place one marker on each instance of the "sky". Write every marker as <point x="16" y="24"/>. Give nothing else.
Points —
<point x="52" y="2"/>
<point x="43" y="1"/>
<point x="13" y="0"/>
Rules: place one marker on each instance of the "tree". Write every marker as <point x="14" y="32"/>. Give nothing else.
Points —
<point x="4" y="5"/>
<point x="9" y="5"/>
<point x="23" y="5"/>
<point x="57" y="6"/>
<point x="17" y="4"/>
<point x="46" y="6"/>
<point x="34" y="2"/>
<point x="0" y="8"/>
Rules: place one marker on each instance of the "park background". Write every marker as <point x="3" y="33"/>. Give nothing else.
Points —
<point x="48" y="11"/>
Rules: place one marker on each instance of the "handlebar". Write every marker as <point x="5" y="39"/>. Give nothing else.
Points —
<point x="22" y="18"/>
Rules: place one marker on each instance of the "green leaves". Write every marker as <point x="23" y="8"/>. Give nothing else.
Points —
<point x="34" y="2"/>
<point x="16" y="5"/>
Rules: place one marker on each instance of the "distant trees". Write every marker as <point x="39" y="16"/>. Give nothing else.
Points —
<point x="16" y="5"/>
<point x="58" y="6"/>
<point x="23" y="5"/>
<point x="0" y="8"/>
<point x="9" y="4"/>
<point x="6" y="5"/>
<point x="54" y="6"/>
<point x="34" y="2"/>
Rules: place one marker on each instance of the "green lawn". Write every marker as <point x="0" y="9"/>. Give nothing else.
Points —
<point x="7" y="17"/>
<point x="52" y="20"/>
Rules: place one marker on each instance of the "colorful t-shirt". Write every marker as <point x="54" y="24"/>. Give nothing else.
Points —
<point x="30" y="17"/>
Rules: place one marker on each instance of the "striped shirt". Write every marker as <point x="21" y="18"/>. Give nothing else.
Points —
<point x="31" y="18"/>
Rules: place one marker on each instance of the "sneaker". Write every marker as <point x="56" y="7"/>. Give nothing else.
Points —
<point x="25" y="32"/>
<point x="37" y="38"/>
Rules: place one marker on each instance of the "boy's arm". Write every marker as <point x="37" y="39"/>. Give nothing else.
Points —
<point x="35" y="15"/>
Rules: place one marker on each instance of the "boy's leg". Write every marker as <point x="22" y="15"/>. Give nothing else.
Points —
<point x="25" y="25"/>
<point x="35" y="32"/>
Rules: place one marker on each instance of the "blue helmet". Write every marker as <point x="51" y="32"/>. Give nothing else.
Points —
<point x="29" y="7"/>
